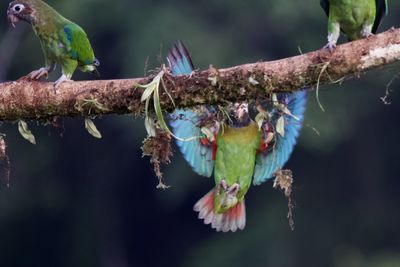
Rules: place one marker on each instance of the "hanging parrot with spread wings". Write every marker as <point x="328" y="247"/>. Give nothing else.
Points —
<point x="63" y="42"/>
<point x="237" y="154"/>
<point x="356" y="18"/>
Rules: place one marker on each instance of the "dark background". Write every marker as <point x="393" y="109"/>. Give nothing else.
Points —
<point x="78" y="201"/>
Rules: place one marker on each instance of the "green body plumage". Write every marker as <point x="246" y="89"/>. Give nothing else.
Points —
<point x="235" y="161"/>
<point x="356" y="18"/>
<point x="352" y="16"/>
<point x="63" y="42"/>
<point x="237" y="151"/>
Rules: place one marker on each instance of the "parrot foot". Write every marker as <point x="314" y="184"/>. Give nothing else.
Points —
<point x="367" y="31"/>
<point x="333" y="38"/>
<point x="331" y="46"/>
<point x="38" y="74"/>
<point x="61" y="80"/>
<point x="366" y="34"/>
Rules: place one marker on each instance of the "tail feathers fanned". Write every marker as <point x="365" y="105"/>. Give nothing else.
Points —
<point x="232" y="220"/>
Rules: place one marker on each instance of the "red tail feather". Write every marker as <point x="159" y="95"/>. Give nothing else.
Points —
<point x="233" y="219"/>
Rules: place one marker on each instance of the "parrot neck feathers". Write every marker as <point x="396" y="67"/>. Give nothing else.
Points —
<point x="43" y="15"/>
<point x="243" y="122"/>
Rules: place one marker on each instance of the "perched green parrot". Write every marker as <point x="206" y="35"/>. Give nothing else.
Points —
<point x="356" y="18"/>
<point x="238" y="153"/>
<point x="63" y="42"/>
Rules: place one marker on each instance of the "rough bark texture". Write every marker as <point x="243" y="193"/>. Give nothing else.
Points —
<point x="25" y="99"/>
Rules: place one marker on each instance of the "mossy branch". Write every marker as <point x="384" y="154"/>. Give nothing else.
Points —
<point x="29" y="100"/>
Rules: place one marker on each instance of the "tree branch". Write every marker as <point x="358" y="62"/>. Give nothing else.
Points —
<point x="25" y="99"/>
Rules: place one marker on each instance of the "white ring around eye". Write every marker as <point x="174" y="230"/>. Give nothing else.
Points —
<point x="18" y="8"/>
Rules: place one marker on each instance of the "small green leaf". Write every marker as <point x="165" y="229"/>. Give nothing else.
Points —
<point x="136" y="84"/>
<point x="282" y="107"/>
<point x="159" y="115"/>
<point x="147" y="93"/>
<point x="260" y="118"/>
<point x="152" y="90"/>
<point x="158" y="111"/>
<point x="269" y="138"/>
<point x="25" y="132"/>
<point x="280" y="126"/>
<point x="151" y="87"/>
<point x="91" y="128"/>
<point x="150" y="126"/>
<point x="275" y="99"/>
<point x="287" y="112"/>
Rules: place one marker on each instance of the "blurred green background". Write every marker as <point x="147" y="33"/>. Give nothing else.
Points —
<point x="78" y="201"/>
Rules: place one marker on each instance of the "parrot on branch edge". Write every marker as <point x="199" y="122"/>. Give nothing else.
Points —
<point x="356" y="18"/>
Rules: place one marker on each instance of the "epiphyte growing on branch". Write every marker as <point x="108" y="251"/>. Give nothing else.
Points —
<point x="357" y="18"/>
<point x="63" y="42"/>
<point x="236" y="150"/>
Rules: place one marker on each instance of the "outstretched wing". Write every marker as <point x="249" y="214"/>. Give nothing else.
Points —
<point x="185" y="123"/>
<point x="77" y="44"/>
<point x="381" y="10"/>
<point x="199" y="156"/>
<point x="270" y="161"/>
<point x="325" y="6"/>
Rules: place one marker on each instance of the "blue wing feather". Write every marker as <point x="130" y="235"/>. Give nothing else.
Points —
<point x="199" y="157"/>
<point x="185" y="122"/>
<point x="268" y="163"/>
<point x="77" y="44"/>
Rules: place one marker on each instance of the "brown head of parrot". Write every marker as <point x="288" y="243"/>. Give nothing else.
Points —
<point x="17" y="11"/>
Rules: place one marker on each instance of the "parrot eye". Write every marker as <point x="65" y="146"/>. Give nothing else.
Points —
<point x="18" y="8"/>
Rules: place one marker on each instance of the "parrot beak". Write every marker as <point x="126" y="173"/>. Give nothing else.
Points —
<point x="242" y="110"/>
<point x="12" y="19"/>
